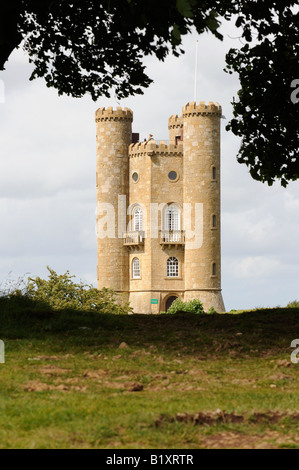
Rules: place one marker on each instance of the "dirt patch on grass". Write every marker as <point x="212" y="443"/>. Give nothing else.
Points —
<point x="53" y="370"/>
<point x="272" y="417"/>
<point x="236" y="440"/>
<point x="95" y="374"/>
<point x="280" y="376"/>
<point x="242" y="381"/>
<point x="80" y="382"/>
<point x="197" y="372"/>
<point x="283" y="363"/>
<point x="219" y="416"/>
<point x="201" y="418"/>
<point x="133" y="386"/>
<point x="36" y="386"/>
<point x="45" y="358"/>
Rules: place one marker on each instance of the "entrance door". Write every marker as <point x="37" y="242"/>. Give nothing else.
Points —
<point x="169" y="301"/>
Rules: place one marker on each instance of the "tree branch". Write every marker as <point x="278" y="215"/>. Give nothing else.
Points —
<point x="10" y="37"/>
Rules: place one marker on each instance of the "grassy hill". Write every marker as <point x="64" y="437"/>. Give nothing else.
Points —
<point x="74" y="380"/>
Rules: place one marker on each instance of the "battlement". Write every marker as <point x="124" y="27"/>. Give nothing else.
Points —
<point x="151" y="148"/>
<point x="175" y="122"/>
<point x="193" y="109"/>
<point x="110" y="114"/>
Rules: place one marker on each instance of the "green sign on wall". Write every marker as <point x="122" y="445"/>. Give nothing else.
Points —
<point x="154" y="301"/>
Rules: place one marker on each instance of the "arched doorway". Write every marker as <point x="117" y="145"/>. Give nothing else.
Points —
<point x="169" y="301"/>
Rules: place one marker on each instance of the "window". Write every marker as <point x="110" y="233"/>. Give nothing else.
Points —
<point x="135" y="176"/>
<point x="172" y="175"/>
<point x="172" y="267"/>
<point x="213" y="173"/>
<point x="214" y="269"/>
<point x="214" y="221"/>
<point x="135" y="268"/>
<point x="137" y="219"/>
<point x="172" y="218"/>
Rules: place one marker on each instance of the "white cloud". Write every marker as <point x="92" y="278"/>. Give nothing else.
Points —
<point x="292" y="203"/>
<point x="254" y="267"/>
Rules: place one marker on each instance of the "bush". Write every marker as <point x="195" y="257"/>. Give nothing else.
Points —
<point x="293" y="304"/>
<point x="212" y="310"/>
<point x="193" y="306"/>
<point x="60" y="292"/>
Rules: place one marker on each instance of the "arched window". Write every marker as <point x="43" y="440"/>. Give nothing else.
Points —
<point x="214" y="269"/>
<point x="213" y="173"/>
<point x="137" y="219"/>
<point x="172" y="218"/>
<point x="214" y="221"/>
<point x="135" y="268"/>
<point x="172" y="267"/>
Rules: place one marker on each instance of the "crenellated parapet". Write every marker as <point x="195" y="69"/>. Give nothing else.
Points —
<point x="175" y="122"/>
<point x="110" y="114"/>
<point x="151" y="148"/>
<point x="201" y="109"/>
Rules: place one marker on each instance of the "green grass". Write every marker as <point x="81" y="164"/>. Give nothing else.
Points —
<point x="67" y="387"/>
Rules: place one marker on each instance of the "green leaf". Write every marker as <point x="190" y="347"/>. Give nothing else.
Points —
<point x="184" y="8"/>
<point x="176" y="34"/>
<point x="212" y="24"/>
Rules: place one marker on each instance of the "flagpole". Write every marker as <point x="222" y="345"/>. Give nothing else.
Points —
<point x="195" y="73"/>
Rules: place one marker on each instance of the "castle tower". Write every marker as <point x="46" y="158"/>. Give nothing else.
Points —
<point x="159" y="203"/>
<point x="114" y="134"/>
<point x="201" y="162"/>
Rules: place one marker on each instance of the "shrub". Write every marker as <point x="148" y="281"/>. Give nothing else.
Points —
<point x="293" y="304"/>
<point x="212" y="310"/>
<point x="60" y="292"/>
<point x="193" y="306"/>
<point x="176" y="306"/>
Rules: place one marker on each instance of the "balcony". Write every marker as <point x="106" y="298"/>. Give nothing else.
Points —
<point x="172" y="238"/>
<point x="134" y="239"/>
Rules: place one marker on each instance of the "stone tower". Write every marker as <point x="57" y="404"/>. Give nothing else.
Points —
<point x="164" y="201"/>
<point x="114" y="132"/>
<point x="201" y="130"/>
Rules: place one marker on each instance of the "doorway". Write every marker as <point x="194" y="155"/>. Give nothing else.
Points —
<point x="169" y="301"/>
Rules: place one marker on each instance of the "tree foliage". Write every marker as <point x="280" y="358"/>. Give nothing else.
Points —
<point x="60" y="292"/>
<point x="97" y="47"/>
<point x="265" y="114"/>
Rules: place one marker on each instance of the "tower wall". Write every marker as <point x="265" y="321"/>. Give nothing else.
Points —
<point x="202" y="185"/>
<point x="152" y="162"/>
<point x="114" y="133"/>
<point x="140" y="193"/>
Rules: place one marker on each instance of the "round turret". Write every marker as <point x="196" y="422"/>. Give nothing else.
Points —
<point x="202" y="187"/>
<point x="114" y="134"/>
<point x="110" y="114"/>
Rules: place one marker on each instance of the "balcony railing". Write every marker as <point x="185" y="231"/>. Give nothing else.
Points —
<point x="133" y="239"/>
<point x="172" y="237"/>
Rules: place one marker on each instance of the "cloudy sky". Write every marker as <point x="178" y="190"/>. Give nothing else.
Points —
<point x="47" y="178"/>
